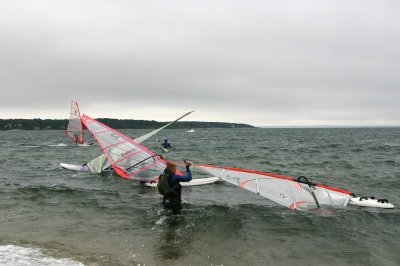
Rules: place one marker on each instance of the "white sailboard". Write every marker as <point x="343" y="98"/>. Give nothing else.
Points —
<point x="371" y="202"/>
<point x="165" y="149"/>
<point x="75" y="167"/>
<point x="193" y="182"/>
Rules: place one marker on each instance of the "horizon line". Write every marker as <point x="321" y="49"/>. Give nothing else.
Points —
<point x="329" y="126"/>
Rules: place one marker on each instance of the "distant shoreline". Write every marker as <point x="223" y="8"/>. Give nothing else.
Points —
<point x="61" y="124"/>
<point x="329" y="127"/>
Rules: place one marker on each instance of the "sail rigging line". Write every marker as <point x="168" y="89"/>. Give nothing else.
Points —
<point x="310" y="184"/>
<point x="144" y="168"/>
<point x="313" y="195"/>
<point x="152" y="156"/>
<point x="310" y="189"/>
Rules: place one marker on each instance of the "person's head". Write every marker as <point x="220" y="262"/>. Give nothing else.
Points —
<point x="171" y="168"/>
<point x="166" y="140"/>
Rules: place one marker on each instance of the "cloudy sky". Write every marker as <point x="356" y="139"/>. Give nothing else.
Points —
<point x="266" y="63"/>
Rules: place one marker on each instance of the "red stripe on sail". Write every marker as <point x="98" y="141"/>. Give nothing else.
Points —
<point x="276" y="176"/>
<point x="121" y="172"/>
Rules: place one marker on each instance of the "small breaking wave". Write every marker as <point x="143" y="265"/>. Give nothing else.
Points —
<point x="58" y="145"/>
<point x="11" y="255"/>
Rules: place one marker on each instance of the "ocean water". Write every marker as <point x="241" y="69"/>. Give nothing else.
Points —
<point x="52" y="216"/>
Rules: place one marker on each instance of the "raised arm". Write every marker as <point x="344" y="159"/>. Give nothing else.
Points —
<point x="186" y="178"/>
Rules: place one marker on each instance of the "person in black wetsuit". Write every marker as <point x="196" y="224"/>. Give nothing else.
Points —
<point x="169" y="186"/>
<point x="166" y="145"/>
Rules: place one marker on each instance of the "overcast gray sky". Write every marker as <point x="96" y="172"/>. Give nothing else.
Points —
<point x="266" y="63"/>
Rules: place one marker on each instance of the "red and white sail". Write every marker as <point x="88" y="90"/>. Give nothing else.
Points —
<point x="75" y="128"/>
<point x="289" y="192"/>
<point x="100" y="163"/>
<point x="128" y="158"/>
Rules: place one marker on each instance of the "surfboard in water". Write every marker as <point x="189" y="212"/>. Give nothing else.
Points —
<point x="75" y="128"/>
<point x="193" y="182"/>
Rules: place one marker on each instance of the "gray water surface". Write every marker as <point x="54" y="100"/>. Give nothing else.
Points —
<point x="106" y="220"/>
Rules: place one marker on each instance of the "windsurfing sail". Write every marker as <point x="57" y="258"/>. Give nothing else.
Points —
<point x="295" y="194"/>
<point x="101" y="163"/>
<point x="75" y="128"/>
<point x="128" y="158"/>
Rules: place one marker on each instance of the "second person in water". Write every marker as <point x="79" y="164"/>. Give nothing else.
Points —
<point x="166" y="144"/>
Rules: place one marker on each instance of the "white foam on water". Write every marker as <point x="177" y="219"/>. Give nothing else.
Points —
<point x="160" y="212"/>
<point x="11" y="255"/>
<point x="161" y="220"/>
<point x="58" y="145"/>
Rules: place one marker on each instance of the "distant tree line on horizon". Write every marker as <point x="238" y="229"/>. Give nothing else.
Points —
<point x="50" y="124"/>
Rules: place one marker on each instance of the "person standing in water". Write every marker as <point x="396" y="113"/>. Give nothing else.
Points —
<point x="166" y="144"/>
<point x="169" y="186"/>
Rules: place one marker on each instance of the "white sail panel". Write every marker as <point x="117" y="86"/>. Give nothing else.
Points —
<point x="98" y="164"/>
<point x="75" y="129"/>
<point x="283" y="190"/>
<point x="128" y="158"/>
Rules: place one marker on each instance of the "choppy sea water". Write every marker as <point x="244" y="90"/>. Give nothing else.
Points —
<point x="52" y="216"/>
